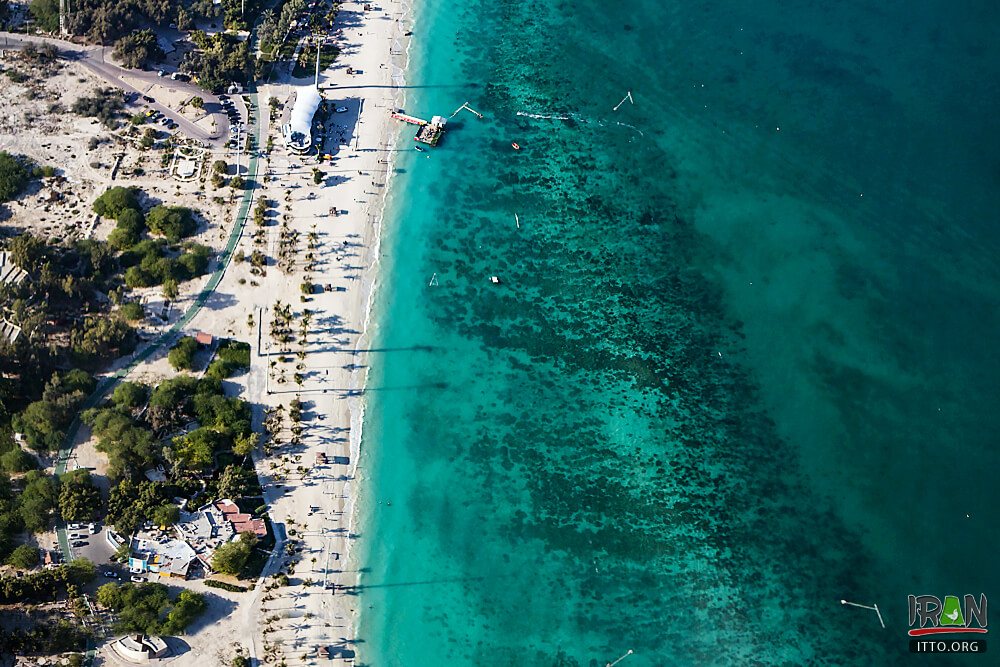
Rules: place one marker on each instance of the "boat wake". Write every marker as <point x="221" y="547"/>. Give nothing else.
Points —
<point x="542" y="116"/>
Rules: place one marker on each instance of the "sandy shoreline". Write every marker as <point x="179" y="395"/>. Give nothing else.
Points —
<point x="298" y="620"/>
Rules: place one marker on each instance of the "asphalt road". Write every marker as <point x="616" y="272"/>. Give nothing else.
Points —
<point x="94" y="59"/>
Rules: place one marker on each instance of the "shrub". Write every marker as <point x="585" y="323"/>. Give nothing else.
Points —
<point x="17" y="460"/>
<point x="15" y="172"/>
<point x="137" y="49"/>
<point x="116" y="200"/>
<point x="132" y="311"/>
<point x="105" y="105"/>
<point x="24" y="557"/>
<point x="233" y="356"/>
<point x="173" y="222"/>
<point x="233" y="588"/>
<point x="181" y="356"/>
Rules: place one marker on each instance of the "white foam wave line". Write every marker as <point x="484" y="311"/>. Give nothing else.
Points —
<point x="540" y="116"/>
<point x="631" y="127"/>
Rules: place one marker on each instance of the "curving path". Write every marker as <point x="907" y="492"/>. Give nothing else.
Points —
<point x="169" y="336"/>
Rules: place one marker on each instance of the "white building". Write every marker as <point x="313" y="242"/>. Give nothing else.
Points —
<point x="140" y="648"/>
<point x="297" y="133"/>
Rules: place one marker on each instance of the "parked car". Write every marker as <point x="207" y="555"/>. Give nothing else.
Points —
<point x="341" y="109"/>
<point x="80" y="543"/>
<point x="137" y="579"/>
<point x="110" y="574"/>
<point x="147" y="98"/>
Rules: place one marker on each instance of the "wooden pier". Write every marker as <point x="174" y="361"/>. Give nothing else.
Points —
<point x="430" y="131"/>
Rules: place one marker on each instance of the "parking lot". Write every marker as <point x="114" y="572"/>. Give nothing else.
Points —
<point x="94" y="547"/>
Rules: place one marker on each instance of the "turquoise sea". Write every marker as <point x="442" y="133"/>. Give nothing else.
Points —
<point x="743" y="361"/>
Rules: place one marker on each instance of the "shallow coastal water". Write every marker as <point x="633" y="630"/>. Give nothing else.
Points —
<point x="741" y="364"/>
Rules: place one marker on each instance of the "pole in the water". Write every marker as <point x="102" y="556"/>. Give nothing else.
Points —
<point x="612" y="664"/>
<point x="465" y="105"/>
<point x="873" y="607"/>
<point x="628" y="96"/>
<point x="434" y="281"/>
<point x="517" y="221"/>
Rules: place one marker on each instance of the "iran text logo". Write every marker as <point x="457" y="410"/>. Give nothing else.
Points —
<point x="931" y="621"/>
<point x="929" y="616"/>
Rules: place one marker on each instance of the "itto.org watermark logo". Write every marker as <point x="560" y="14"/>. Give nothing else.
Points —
<point x="930" y="617"/>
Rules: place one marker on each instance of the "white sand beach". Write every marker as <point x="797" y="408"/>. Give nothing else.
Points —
<point x="314" y="617"/>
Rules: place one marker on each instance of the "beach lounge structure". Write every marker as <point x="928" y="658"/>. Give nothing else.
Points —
<point x="297" y="132"/>
<point x="213" y="525"/>
<point x="9" y="331"/>
<point x="10" y="273"/>
<point x="428" y="132"/>
<point x="166" y="557"/>
<point x="240" y="521"/>
<point x="140" y="649"/>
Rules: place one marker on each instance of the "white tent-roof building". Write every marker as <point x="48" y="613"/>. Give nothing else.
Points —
<point x="297" y="133"/>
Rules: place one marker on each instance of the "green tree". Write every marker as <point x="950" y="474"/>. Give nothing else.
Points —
<point x="244" y="443"/>
<point x="110" y="596"/>
<point x="130" y="503"/>
<point x="15" y="172"/>
<point x="138" y="49"/>
<point x="132" y="311"/>
<point x="17" y="460"/>
<point x="38" y="500"/>
<point x="130" y="448"/>
<point x="102" y="339"/>
<point x="130" y="395"/>
<point x="233" y="556"/>
<point x="115" y="200"/>
<point x="79" y="497"/>
<point x="173" y="222"/>
<point x="42" y="424"/>
<point x="195" y="451"/>
<point x="170" y="288"/>
<point x="46" y="13"/>
<point x="220" y="167"/>
<point x="237" y="482"/>
<point x="187" y="607"/>
<point x="181" y="355"/>
<point x="24" y="557"/>
<point x="166" y="515"/>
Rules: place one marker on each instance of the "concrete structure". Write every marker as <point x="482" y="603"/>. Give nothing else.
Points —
<point x="10" y="272"/>
<point x="166" y="557"/>
<point x="241" y="522"/>
<point x="9" y="331"/>
<point x="297" y="133"/>
<point x="140" y="649"/>
<point x="205" y="530"/>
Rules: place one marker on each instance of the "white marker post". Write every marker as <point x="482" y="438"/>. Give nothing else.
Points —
<point x="874" y="608"/>
<point x="612" y="664"/>
<point x="628" y="96"/>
